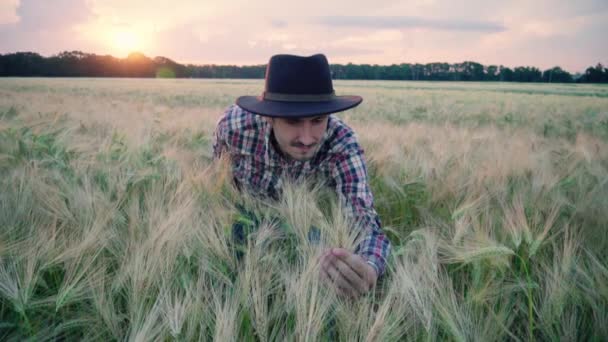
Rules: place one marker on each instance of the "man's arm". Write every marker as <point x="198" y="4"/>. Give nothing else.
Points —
<point x="220" y="134"/>
<point x="353" y="188"/>
<point x="350" y="175"/>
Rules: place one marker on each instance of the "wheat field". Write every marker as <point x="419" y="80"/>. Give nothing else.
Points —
<point x="115" y="223"/>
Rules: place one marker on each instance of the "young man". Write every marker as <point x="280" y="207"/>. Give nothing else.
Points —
<point x="288" y="132"/>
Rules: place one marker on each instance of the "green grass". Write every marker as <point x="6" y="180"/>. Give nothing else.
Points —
<point x="115" y="222"/>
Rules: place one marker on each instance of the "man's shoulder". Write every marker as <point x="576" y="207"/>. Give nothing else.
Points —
<point x="242" y="132"/>
<point x="342" y="138"/>
<point x="235" y="119"/>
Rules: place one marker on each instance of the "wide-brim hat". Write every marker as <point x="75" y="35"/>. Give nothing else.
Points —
<point x="297" y="87"/>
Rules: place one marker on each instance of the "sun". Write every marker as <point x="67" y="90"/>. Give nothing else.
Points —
<point x="126" y="41"/>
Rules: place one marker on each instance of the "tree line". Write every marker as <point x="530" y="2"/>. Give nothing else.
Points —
<point x="81" y="64"/>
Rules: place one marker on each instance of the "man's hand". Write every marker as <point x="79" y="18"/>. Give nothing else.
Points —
<point x="348" y="272"/>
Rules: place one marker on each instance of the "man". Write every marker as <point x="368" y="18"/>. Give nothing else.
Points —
<point x="288" y="132"/>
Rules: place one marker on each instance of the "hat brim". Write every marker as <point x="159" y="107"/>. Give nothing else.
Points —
<point x="280" y="109"/>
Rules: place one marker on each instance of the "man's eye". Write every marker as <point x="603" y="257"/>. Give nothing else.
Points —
<point x="293" y="122"/>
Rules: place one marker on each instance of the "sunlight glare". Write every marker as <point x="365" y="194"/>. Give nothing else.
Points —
<point x="126" y="41"/>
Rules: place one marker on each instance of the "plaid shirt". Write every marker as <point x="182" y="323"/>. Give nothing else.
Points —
<point x="260" y="169"/>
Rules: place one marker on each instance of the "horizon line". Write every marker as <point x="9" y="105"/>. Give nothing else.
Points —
<point x="263" y="64"/>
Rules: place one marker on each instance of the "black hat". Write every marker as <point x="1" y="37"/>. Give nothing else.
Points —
<point x="297" y="87"/>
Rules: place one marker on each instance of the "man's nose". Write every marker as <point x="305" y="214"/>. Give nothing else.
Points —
<point x="306" y="136"/>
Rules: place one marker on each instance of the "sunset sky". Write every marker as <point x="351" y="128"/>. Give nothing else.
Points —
<point x="541" y="33"/>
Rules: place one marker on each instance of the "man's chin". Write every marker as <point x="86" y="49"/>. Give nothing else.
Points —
<point x="302" y="156"/>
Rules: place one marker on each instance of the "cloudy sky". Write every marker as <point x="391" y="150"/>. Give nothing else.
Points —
<point x="542" y="33"/>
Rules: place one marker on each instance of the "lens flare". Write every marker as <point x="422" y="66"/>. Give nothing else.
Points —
<point x="126" y="41"/>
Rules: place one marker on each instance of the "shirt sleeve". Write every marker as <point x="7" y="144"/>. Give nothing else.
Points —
<point x="350" y="175"/>
<point x="220" y="135"/>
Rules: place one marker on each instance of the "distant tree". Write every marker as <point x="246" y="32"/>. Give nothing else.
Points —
<point x="439" y="71"/>
<point x="597" y="74"/>
<point x="251" y="71"/>
<point x="473" y="71"/>
<point x="527" y="74"/>
<point x="505" y="74"/>
<point x="81" y="64"/>
<point x="23" y="64"/>
<point x="467" y="71"/>
<point x="168" y="67"/>
<point x="138" y="65"/>
<point x="556" y="75"/>
<point x="418" y="72"/>
<point x="491" y="73"/>
<point x="390" y="72"/>
<point x="406" y="71"/>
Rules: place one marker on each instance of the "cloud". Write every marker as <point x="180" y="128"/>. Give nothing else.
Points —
<point x="53" y="15"/>
<point x="8" y="12"/>
<point x="574" y="44"/>
<point x="518" y="32"/>
<point x="278" y="23"/>
<point x="153" y="15"/>
<point x="46" y="27"/>
<point x="391" y="22"/>
<point x="243" y="45"/>
<point x="558" y="9"/>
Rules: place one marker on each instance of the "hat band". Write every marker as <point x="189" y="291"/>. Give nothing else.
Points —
<point x="298" y="97"/>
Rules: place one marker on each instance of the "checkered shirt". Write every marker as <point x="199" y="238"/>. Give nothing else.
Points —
<point x="260" y="169"/>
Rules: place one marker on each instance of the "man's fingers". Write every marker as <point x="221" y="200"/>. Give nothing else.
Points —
<point x="324" y="275"/>
<point x="354" y="279"/>
<point x="335" y="277"/>
<point x="356" y="263"/>
<point x="348" y="272"/>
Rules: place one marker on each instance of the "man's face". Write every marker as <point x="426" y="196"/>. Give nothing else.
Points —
<point x="299" y="138"/>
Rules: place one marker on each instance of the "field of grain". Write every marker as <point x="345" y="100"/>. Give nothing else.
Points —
<point x="115" y="221"/>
